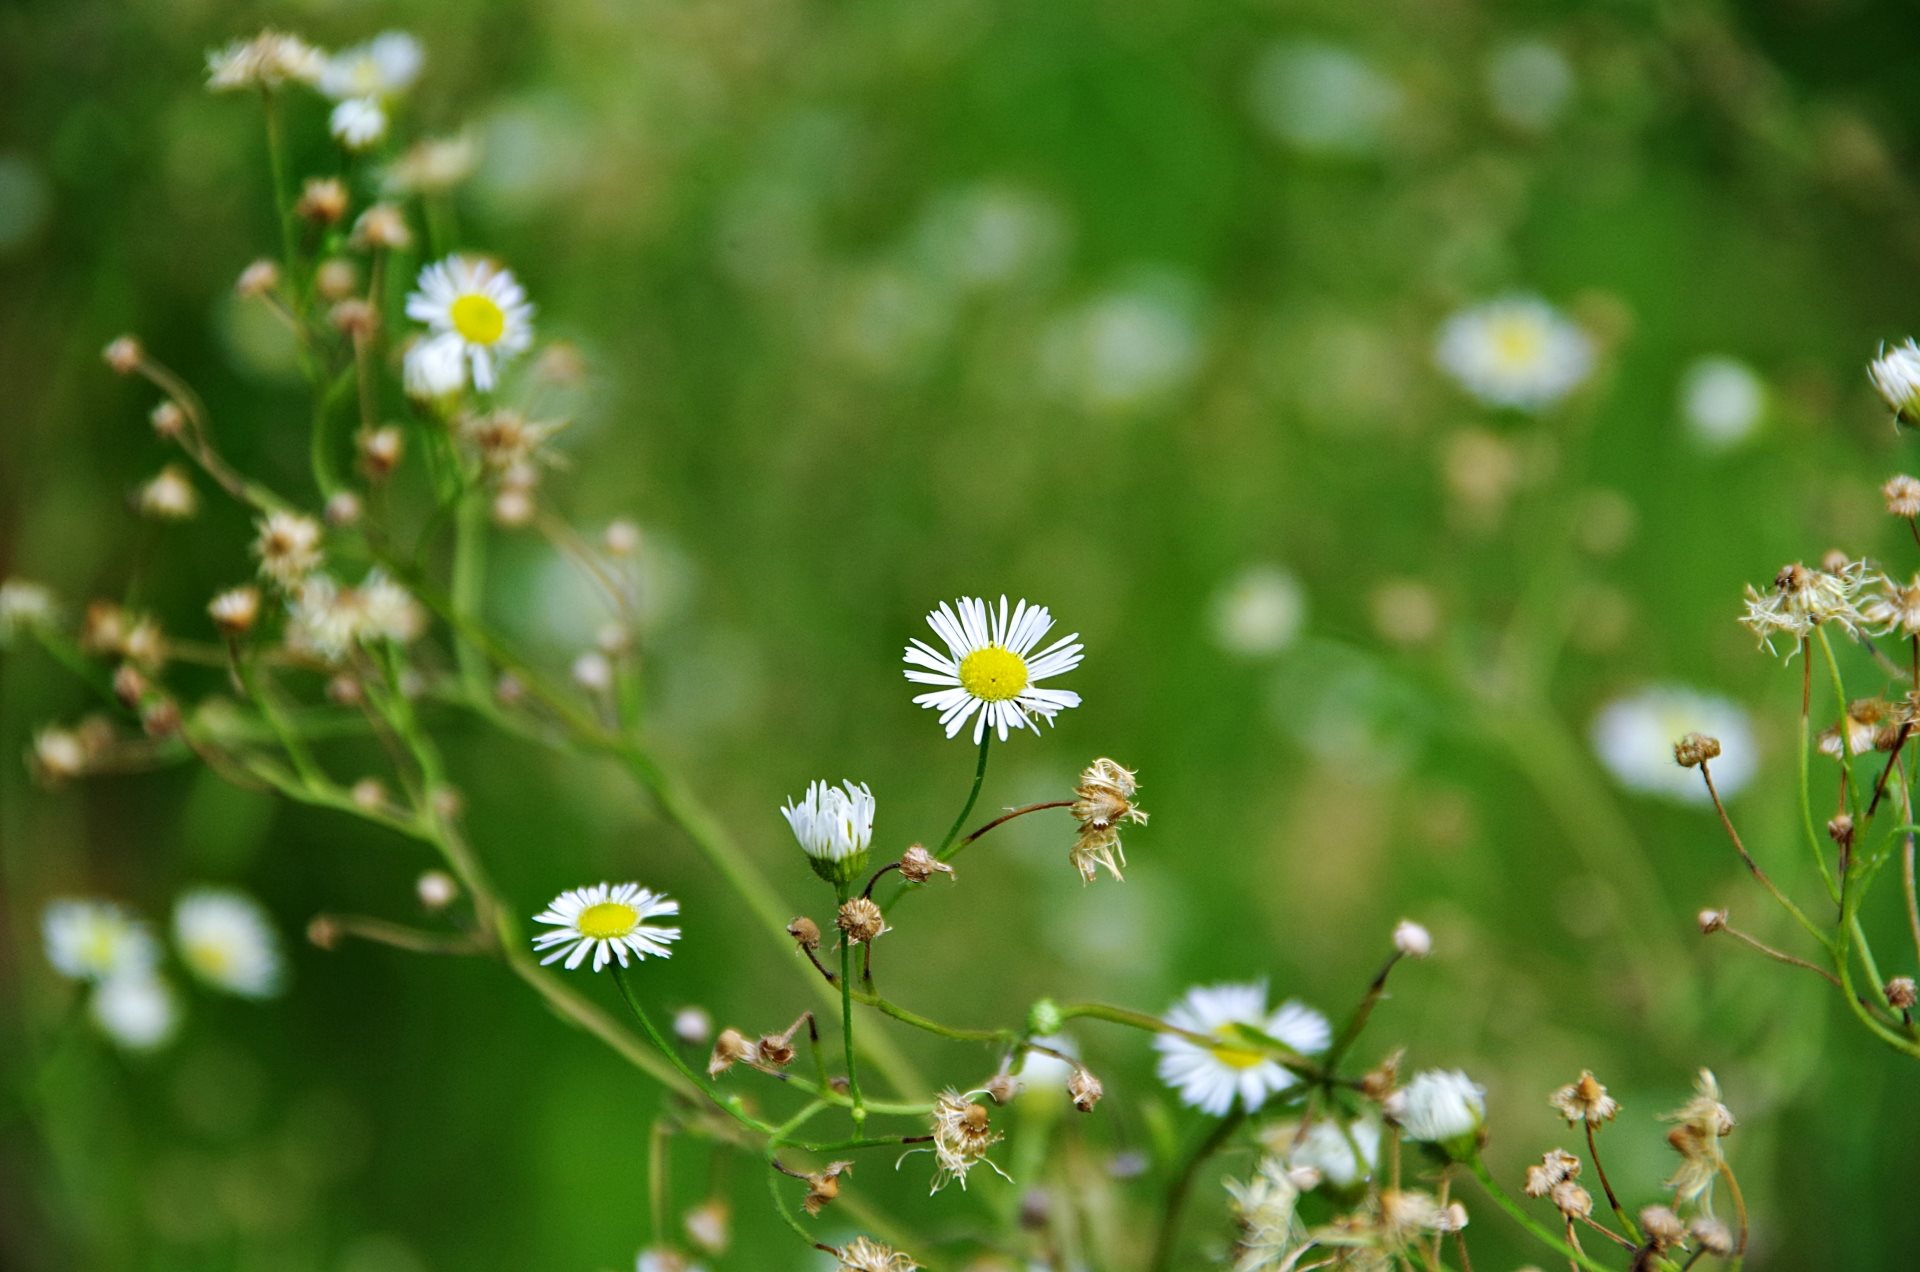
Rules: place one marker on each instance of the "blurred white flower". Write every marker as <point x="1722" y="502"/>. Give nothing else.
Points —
<point x="990" y="667"/>
<point x="1529" y="84"/>
<point x="1438" y="1105"/>
<point x="226" y="939"/>
<point x="480" y="304"/>
<point x="92" y="940"/>
<point x="607" y="921"/>
<point x="991" y="235"/>
<point x="25" y="606"/>
<point x="1259" y="612"/>
<point x="169" y="495"/>
<point x="1323" y="98"/>
<point x="137" y="1010"/>
<point x="388" y="611"/>
<point x="433" y="166"/>
<point x="384" y="66"/>
<point x="1265" y="1207"/>
<point x="1722" y="401"/>
<point x="1328" y="1150"/>
<point x="1896" y="376"/>
<point x="288" y="545"/>
<point x="1210" y="1077"/>
<point x="1126" y="349"/>
<point x="1517" y="351"/>
<point x="434" y="367"/>
<point x="664" y="1260"/>
<point x="267" y="61"/>
<point x="1634" y="736"/>
<point x="358" y="123"/>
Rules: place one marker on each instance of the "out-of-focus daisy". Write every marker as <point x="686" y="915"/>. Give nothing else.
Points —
<point x="1266" y="1208"/>
<point x="433" y="166"/>
<point x="385" y="66"/>
<point x="1438" y="1105"/>
<point x="137" y="1010"/>
<point x="91" y="940"/>
<point x="26" y="606"/>
<point x="990" y="667"/>
<point x="1328" y="1150"/>
<point x="1210" y="1077"/>
<point x="169" y="495"/>
<point x="267" y="61"/>
<point x="434" y="368"/>
<point x="1634" y="735"/>
<point x="1324" y="98"/>
<point x="358" y="123"/>
<point x="608" y="921"/>
<point x="1528" y="84"/>
<point x="1517" y="351"/>
<point x="226" y="939"/>
<point x="288" y="546"/>
<point x="834" y="827"/>
<point x="1127" y="349"/>
<point x="480" y="305"/>
<point x="1722" y="401"/>
<point x="1259" y="612"/>
<point x="1895" y="375"/>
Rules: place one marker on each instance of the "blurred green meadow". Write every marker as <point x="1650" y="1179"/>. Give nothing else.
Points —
<point x="1127" y="308"/>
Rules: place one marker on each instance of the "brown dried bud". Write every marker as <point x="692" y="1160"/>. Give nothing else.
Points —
<point x="1379" y="1082"/>
<point x="130" y="685"/>
<point x="1085" y="1090"/>
<point x="1902" y="494"/>
<point x="258" y="278"/>
<point x="323" y="932"/>
<point x="728" y="1049"/>
<point x="860" y="921"/>
<point x="918" y="865"/>
<point x="380" y="452"/>
<point x="382" y="226"/>
<point x="1002" y="1087"/>
<point x="354" y="317"/>
<point x="824" y="1185"/>
<point x="1572" y="1200"/>
<point x="1696" y="749"/>
<point x="1901" y="993"/>
<point x="805" y="933"/>
<point x="1840" y="830"/>
<point x="169" y="421"/>
<point x="124" y="355"/>
<point x="774" y="1050"/>
<point x="336" y="278"/>
<point x="160" y="718"/>
<point x="1712" y="1235"/>
<point x="323" y="201"/>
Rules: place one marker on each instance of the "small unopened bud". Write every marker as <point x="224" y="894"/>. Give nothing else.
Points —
<point x="123" y="355"/>
<point x="1901" y="993"/>
<point x="1412" y="940"/>
<point x="509" y="690"/>
<point x="168" y="420"/>
<point x="918" y="865"/>
<point x="592" y="672"/>
<point x="258" y="279"/>
<point x="380" y="452"/>
<point x="382" y="226"/>
<point x="1711" y="921"/>
<point x="1712" y="1235"/>
<point x="354" y="317"/>
<point x="169" y="495"/>
<point x="1902" y="494"/>
<point x="336" y="278"/>
<point x="513" y="507"/>
<point x="323" y="201"/>
<point x="130" y="685"/>
<point x="1696" y="749"/>
<point x="860" y="921"/>
<point x="622" y="538"/>
<point x="823" y="1186"/>
<point x="693" y="1026"/>
<point x="344" y="690"/>
<point x="323" y="932"/>
<point x="160" y="718"/>
<point x="709" y="1226"/>
<point x="1840" y="830"/>
<point x="805" y="933"/>
<point x="613" y="639"/>
<point x="343" y="508"/>
<point x="235" y="610"/>
<point x="728" y="1049"/>
<point x="436" y="889"/>
<point x="1002" y="1087"/>
<point x="1044" y="1019"/>
<point x="447" y="803"/>
<point x="369" y="794"/>
<point x="1085" y="1090"/>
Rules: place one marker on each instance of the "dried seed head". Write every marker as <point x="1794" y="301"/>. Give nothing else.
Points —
<point x="1002" y="1087"/>
<point x="258" y="279"/>
<point x="1412" y="940"/>
<point x="728" y="1049"/>
<point x="805" y="933"/>
<point x="336" y="279"/>
<point x="1084" y="1089"/>
<point x="1712" y="1235"/>
<point x="1902" y="494"/>
<point x="380" y="452"/>
<point x="860" y="921"/>
<point x="1662" y="1226"/>
<point x="1696" y="749"/>
<point x="693" y="1025"/>
<point x="1711" y="921"/>
<point x="1840" y="830"/>
<point x="436" y="889"/>
<point x="323" y="201"/>
<point x="862" y="1255"/>
<point x="1572" y="1200"/>
<point x="1585" y="1100"/>
<point x="1554" y="1168"/>
<point x="382" y="226"/>
<point x="961" y="1137"/>
<point x="124" y="355"/>
<point x="775" y="1051"/>
<point x="917" y="865"/>
<point x="1901" y="993"/>
<point x="824" y="1185"/>
<point x="235" y="610"/>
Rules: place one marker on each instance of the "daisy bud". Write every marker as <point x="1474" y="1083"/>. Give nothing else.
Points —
<point x="257" y="279"/>
<point x="369" y="795"/>
<point x="436" y="889"/>
<point x="168" y="420"/>
<point x="58" y="755"/>
<point x="1412" y="940"/>
<point x="592" y="672"/>
<point x="123" y="355"/>
<point x="693" y="1026"/>
<point x="1896" y="377"/>
<point x="234" y="610"/>
<point x="709" y="1226"/>
<point x="1711" y="921"/>
<point x="1696" y="749"/>
<point x="336" y="278"/>
<point x="860" y="921"/>
<point x="343" y="509"/>
<point x="513" y="508"/>
<point x="918" y="865"/>
<point x="805" y="933"/>
<point x="344" y="690"/>
<point x="1002" y="1087"/>
<point x="382" y="227"/>
<point x="323" y="201"/>
<point x="621" y="539"/>
<point x="130" y="685"/>
<point x="1712" y="1235"/>
<point x="1901" y="993"/>
<point x="729" y="1048"/>
<point x="1085" y="1090"/>
<point x="380" y="452"/>
<point x="1902" y="494"/>
<point x="834" y="827"/>
<point x="1442" y="1107"/>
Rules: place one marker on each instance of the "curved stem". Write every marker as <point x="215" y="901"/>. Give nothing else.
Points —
<point x="1182" y="1183"/>
<point x="973" y="794"/>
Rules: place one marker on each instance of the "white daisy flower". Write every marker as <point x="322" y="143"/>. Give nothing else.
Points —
<point x="989" y="666"/>
<point x="1723" y="401"/>
<point x="435" y="367"/>
<point x="1634" y="735"/>
<point x="1517" y="352"/>
<point x="608" y="921"/>
<point x="1328" y="1150"/>
<point x="1209" y="1077"/>
<point x="388" y="611"/>
<point x="95" y="940"/>
<point x="385" y="66"/>
<point x="834" y="827"/>
<point x="226" y="939"/>
<point x="480" y="304"/>
<point x="1896" y="377"/>
<point x="136" y="1010"/>
<point x="288" y="546"/>
<point x="1438" y="1105"/>
<point x="358" y="123"/>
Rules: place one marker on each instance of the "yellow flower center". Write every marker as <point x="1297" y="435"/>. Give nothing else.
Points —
<point x="993" y="674"/>
<point x="213" y="958"/>
<point x="607" y="920"/>
<point x="478" y="319"/>
<point x="1233" y="1052"/>
<point x="1518" y="344"/>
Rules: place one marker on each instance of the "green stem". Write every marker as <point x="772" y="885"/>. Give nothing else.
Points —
<point x="846" y="1030"/>
<point x="1519" y="1215"/>
<point x="1350" y="1032"/>
<point x="1182" y="1183"/>
<point x="730" y="1105"/>
<point x="973" y="794"/>
<point x="469" y="577"/>
<point x="282" y="194"/>
<point x="1805" y="747"/>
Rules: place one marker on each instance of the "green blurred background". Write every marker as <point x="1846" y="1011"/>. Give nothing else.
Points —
<point x="1098" y="302"/>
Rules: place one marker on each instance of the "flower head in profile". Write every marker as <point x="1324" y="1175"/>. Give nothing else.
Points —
<point x="990" y="667"/>
<point x="1516" y="352"/>
<point x="1895" y="375"/>
<point x="226" y="939"/>
<point x="476" y="307"/>
<point x="834" y="825"/>
<point x="1700" y="1124"/>
<point x="91" y="940"/>
<point x="608" y="921"/>
<point x="863" y="1255"/>
<point x="1438" y="1106"/>
<point x="1209" y="1076"/>
<point x="1803" y="598"/>
<point x="136" y="1010"/>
